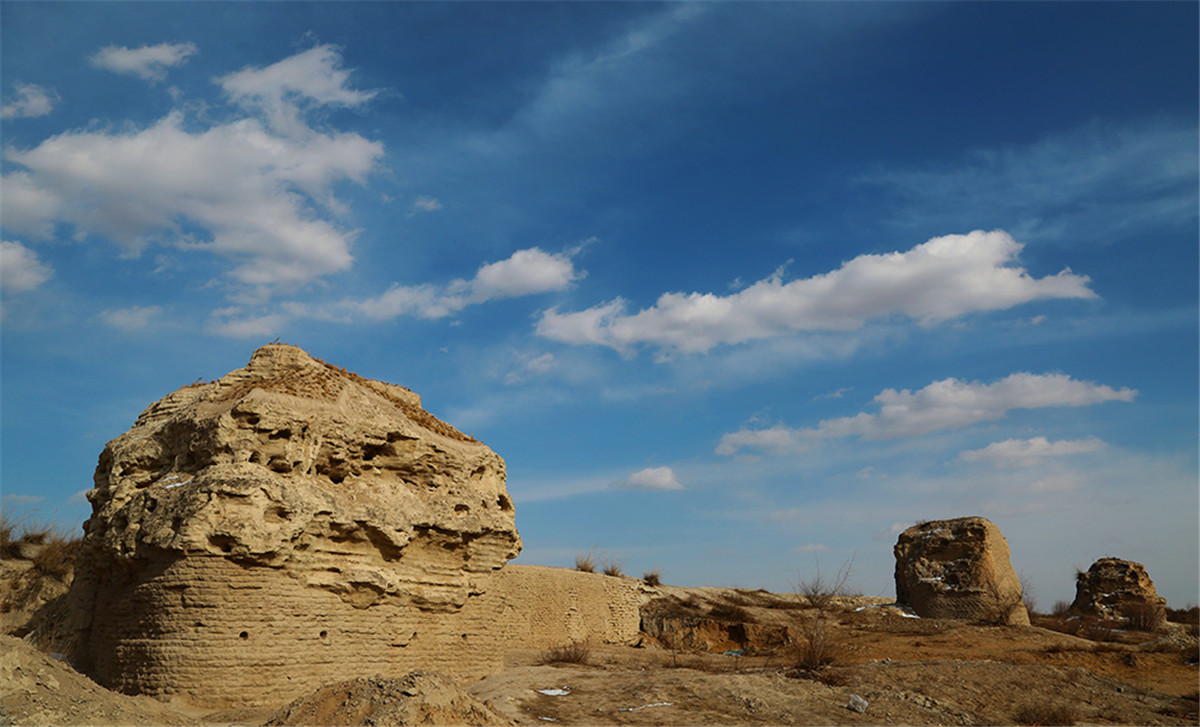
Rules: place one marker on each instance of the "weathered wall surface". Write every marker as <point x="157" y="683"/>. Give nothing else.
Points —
<point x="535" y="606"/>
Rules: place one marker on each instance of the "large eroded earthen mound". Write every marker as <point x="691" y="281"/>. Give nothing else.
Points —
<point x="287" y="525"/>
<point x="1113" y="586"/>
<point x="958" y="569"/>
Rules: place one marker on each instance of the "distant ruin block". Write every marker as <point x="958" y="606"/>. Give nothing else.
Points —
<point x="288" y="525"/>
<point x="958" y="569"/>
<point x="1112" y="586"/>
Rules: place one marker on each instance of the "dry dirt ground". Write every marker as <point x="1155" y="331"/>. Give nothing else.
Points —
<point x="906" y="670"/>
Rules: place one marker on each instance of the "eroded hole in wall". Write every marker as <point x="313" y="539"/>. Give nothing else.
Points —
<point x="461" y="508"/>
<point x="244" y="635"/>
<point x="504" y="502"/>
<point x="324" y="634"/>
<point x="223" y="542"/>
<point x="281" y="434"/>
<point x="255" y="458"/>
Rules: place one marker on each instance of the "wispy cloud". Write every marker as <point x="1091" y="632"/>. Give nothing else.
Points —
<point x="31" y="101"/>
<point x="149" y="62"/>
<point x="944" y="278"/>
<point x="946" y="404"/>
<point x="133" y="318"/>
<point x="1029" y="452"/>
<point x="20" y="268"/>
<point x="1088" y="184"/>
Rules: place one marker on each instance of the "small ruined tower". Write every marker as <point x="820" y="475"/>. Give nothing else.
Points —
<point x="287" y="525"/>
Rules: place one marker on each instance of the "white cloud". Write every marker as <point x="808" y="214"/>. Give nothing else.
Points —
<point x="150" y="62"/>
<point x="20" y="269"/>
<point x="284" y="89"/>
<point x="1029" y="452"/>
<point x="133" y="318"/>
<point x="426" y="204"/>
<point x="536" y="366"/>
<point x="946" y="404"/>
<point x="257" y="198"/>
<point x="32" y="101"/>
<point x="944" y="278"/>
<point x="651" y="478"/>
<point x="525" y="272"/>
<point x="233" y="323"/>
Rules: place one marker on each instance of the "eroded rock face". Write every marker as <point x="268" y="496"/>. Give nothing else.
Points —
<point x="1111" y="586"/>
<point x="288" y="507"/>
<point x="958" y="569"/>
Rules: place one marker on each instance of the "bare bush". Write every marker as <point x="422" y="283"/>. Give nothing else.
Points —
<point x="585" y="562"/>
<point x="820" y="590"/>
<point x="652" y="577"/>
<point x="819" y="645"/>
<point x="1144" y="616"/>
<point x="1061" y="608"/>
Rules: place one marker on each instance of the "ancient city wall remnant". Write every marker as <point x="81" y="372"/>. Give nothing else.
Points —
<point x="958" y="569"/>
<point x="288" y="525"/>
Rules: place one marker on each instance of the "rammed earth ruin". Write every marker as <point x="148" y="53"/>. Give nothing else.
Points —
<point x="292" y="524"/>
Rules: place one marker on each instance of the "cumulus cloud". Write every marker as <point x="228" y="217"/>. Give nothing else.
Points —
<point x="150" y="62"/>
<point x="525" y="272"/>
<point x="944" y="278"/>
<point x="133" y="318"/>
<point x="238" y="189"/>
<point x="946" y="404"/>
<point x="285" y="89"/>
<point x="31" y="101"/>
<point x="20" y="268"/>
<point x="1029" y="452"/>
<point x="651" y="478"/>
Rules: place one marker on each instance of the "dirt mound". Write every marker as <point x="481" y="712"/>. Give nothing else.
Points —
<point x="958" y="569"/>
<point x="415" y="699"/>
<point x="36" y="689"/>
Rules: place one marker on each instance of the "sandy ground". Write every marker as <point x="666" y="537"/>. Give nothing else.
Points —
<point x="907" y="671"/>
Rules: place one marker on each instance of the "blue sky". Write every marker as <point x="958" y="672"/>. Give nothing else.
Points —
<point x="735" y="289"/>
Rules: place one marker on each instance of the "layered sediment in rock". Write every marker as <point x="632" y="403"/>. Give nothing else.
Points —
<point x="1112" y="586"/>
<point x="958" y="569"/>
<point x="288" y="525"/>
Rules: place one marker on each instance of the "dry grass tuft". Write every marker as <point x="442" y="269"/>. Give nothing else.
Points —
<point x="613" y="568"/>
<point x="1189" y="615"/>
<point x="652" y="577"/>
<point x="585" y="563"/>
<point x="730" y="612"/>
<point x="1045" y="713"/>
<point x="575" y="653"/>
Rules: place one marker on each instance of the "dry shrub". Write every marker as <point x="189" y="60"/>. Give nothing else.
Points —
<point x="820" y="590"/>
<point x="1045" y="713"/>
<point x="585" y="563"/>
<point x="1061" y="608"/>
<point x="819" y="646"/>
<point x="652" y="577"/>
<point x="613" y="568"/>
<point x="1144" y="616"/>
<point x="57" y="556"/>
<point x="575" y="653"/>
